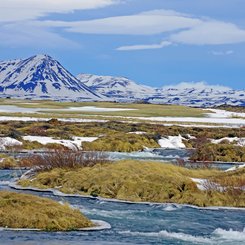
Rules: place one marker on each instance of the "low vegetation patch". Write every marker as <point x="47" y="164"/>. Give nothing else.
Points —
<point x="139" y="109"/>
<point x="113" y="135"/>
<point x="121" y="143"/>
<point x="66" y="159"/>
<point x="219" y="152"/>
<point x="232" y="108"/>
<point x="7" y="162"/>
<point x="136" y="181"/>
<point x="31" y="212"/>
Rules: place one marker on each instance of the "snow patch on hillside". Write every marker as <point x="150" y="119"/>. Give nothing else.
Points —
<point x="235" y="168"/>
<point x="224" y="114"/>
<point x="172" y="142"/>
<point x="7" y="141"/>
<point x="94" y="109"/>
<point x="116" y="87"/>
<point x="236" y="140"/>
<point x="74" y="144"/>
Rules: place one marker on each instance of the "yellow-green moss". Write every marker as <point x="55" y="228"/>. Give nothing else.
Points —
<point x="121" y="143"/>
<point x="8" y="163"/>
<point x="137" y="181"/>
<point x="31" y="212"/>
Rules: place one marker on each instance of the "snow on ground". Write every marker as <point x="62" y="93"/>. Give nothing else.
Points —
<point x="7" y="141"/>
<point x="236" y="124"/>
<point x="235" y="168"/>
<point x="74" y="144"/>
<point x="172" y="142"/>
<point x="190" y="137"/>
<point x="93" y="109"/>
<point x="220" y="117"/>
<point x="238" y="141"/>
<point x="137" y="132"/>
<point x="14" y="109"/>
<point x="200" y="183"/>
<point x="224" y="114"/>
<point x="222" y="121"/>
<point x="40" y="119"/>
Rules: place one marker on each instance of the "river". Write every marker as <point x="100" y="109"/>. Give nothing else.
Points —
<point x="158" y="154"/>
<point x="136" y="223"/>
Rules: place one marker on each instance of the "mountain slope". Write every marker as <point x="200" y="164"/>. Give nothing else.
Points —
<point x="198" y="94"/>
<point x="192" y="94"/>
<point x="116" y="87"/>
<point x="41" y="76"/>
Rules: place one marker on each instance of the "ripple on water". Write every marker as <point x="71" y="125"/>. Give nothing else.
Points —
<point x="219" y="236"/>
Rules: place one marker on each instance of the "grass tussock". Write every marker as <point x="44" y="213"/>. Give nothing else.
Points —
<point x="223" y="152"/>
<point x="121" y="143"/>
<point x="31" y="212"/>
<point x="137" y="181"/>
<point x="8" y="162"/>
<point x="113" y="135"/>
<point x="232" y="178"/>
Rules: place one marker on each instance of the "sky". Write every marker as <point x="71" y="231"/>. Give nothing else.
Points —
<point x="154" y="42"/>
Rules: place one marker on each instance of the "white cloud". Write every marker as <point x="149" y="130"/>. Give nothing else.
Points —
<point x="222" y="53"/>
<point x="147" y="23"/>
<point x="165" y="12"/>
<point x="143" y="47"/>
<point x="210" y="33"/>
<point x="176" y="28"/>
<point x="17" y="21"/>
<point x="26" y="35"/>
<point x="17" y="10"/>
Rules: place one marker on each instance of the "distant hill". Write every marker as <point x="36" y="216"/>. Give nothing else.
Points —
<point x="199" y="94"/>
<point x="116" y="87"/>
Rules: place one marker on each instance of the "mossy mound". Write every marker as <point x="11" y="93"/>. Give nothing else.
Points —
<point x="121" y="142"/>
<point x="8" y="163"/>
<point x="224" y="151"/>
<point x="137" y="181"/>
<point x="31" y="212"/>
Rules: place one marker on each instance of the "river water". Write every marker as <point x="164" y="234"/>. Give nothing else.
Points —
<point x="158" y="154"/>
<point x="136" y="223"/>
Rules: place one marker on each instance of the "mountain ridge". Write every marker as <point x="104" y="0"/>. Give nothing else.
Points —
<point x="42" y="77"/>
<point x="197" y="94"/>
<point x="116" y="87"/>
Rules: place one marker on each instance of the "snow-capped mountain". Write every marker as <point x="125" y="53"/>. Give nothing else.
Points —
<point x="118" y="88"/>
<point x="198" y="94"/>
<point x="41" y="76"/>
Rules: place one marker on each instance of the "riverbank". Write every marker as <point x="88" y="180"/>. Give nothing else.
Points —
<point x="145" y="182"/>
<point x="23" y="211"/>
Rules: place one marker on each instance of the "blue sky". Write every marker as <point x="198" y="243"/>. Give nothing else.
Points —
<point x="155" y="42"/>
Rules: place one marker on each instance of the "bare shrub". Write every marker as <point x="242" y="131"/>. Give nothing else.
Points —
<point x="181" y="162"/>
<point x="192" y="164"/>
<point x="61" y="158"/>
<point x="38" y="130"/>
